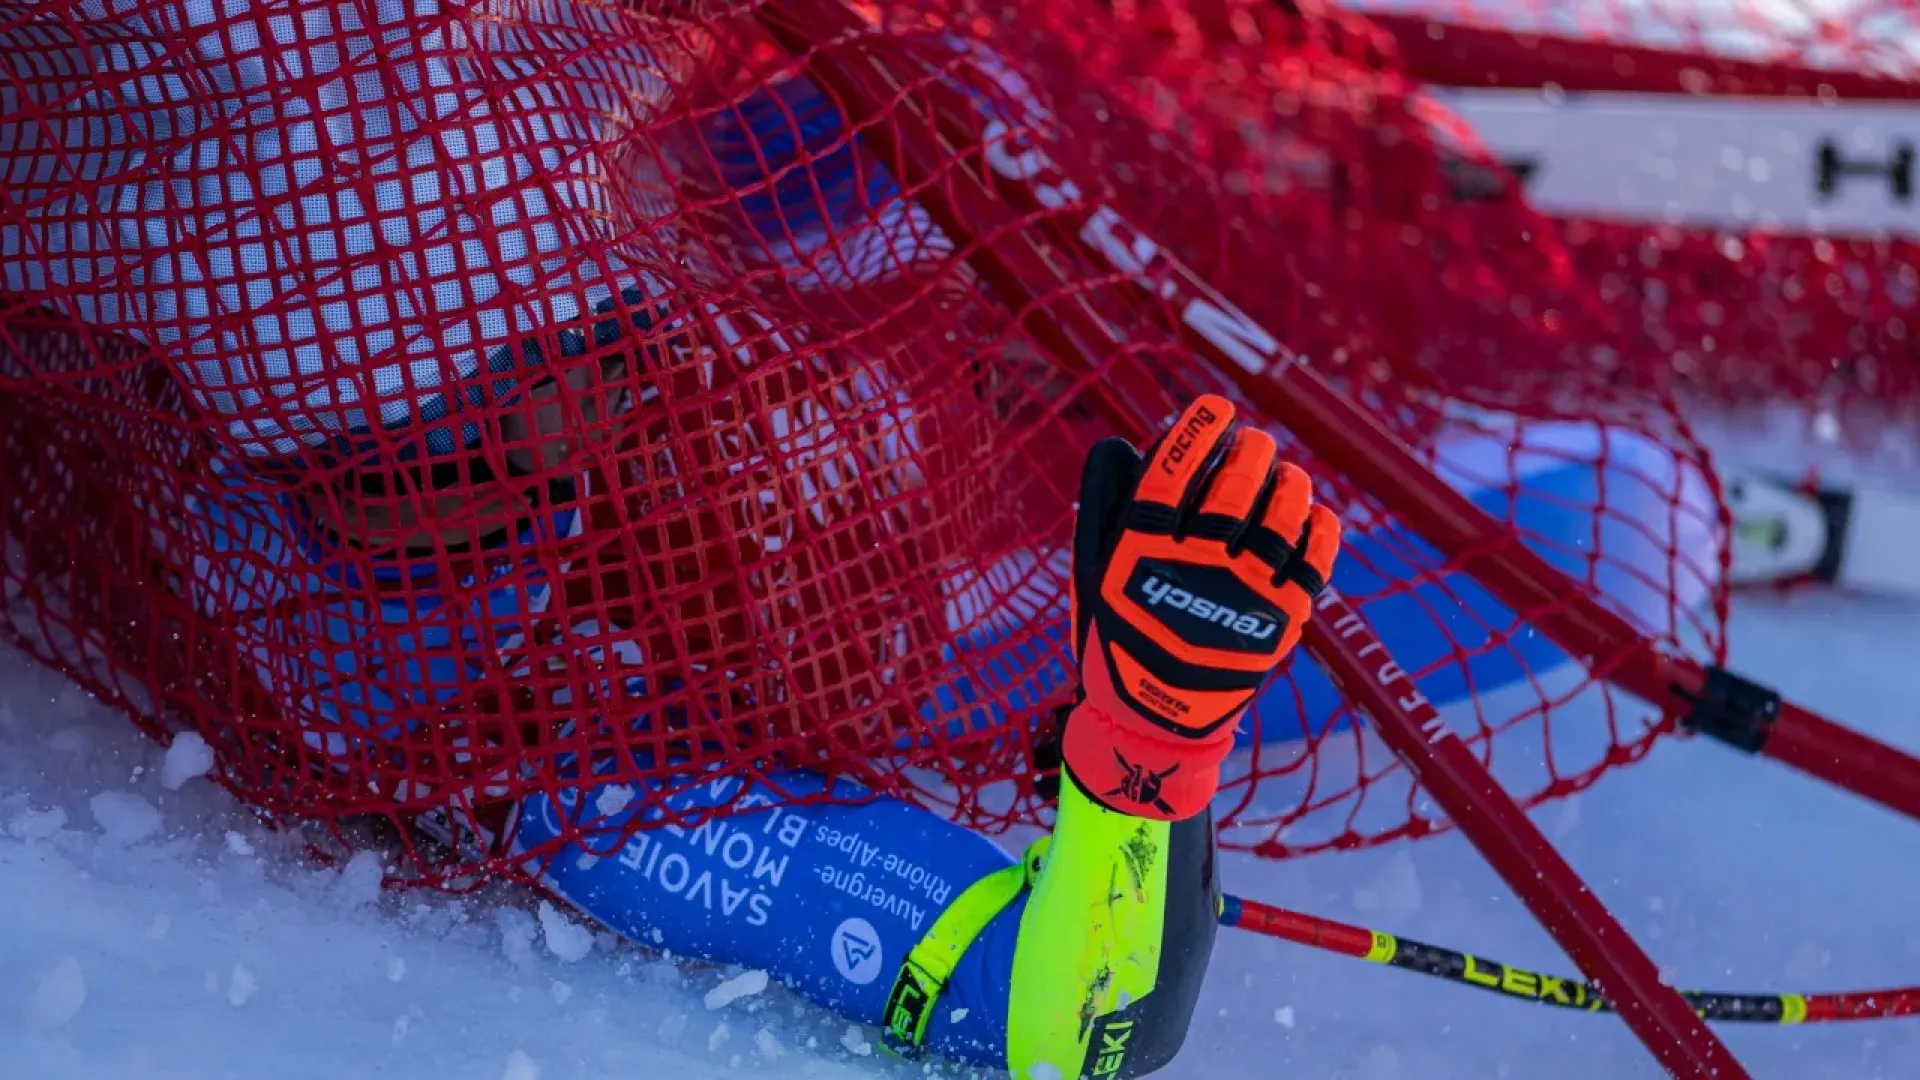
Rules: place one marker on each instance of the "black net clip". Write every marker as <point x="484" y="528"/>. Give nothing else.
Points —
<point x="1736" y="711"/>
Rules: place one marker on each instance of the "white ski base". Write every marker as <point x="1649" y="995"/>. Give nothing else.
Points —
<point x="1783" y="533"/>
<point x="1881" y="553"/>
<point x="1715" y="162"/>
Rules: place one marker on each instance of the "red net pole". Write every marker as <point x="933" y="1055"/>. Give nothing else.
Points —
<point x="1845" y="758"/>
<point x="1339" y="638"/>
<point x="1438" y="50"/>
<point x="1524" y="858"/>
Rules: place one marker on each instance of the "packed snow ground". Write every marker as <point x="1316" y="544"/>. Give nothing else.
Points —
<point x="149" y="930"/>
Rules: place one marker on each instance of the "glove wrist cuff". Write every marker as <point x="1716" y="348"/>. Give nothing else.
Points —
<point x="1131" y="767"/>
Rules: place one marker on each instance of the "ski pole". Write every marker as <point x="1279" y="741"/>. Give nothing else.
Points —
<point x="1466" y="969"/>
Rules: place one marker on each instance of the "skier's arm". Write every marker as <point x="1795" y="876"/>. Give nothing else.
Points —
<point x="1194" y="573"/>
<point x="899" y="919"/>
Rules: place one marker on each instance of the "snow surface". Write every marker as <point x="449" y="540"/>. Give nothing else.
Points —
<point x="150" y="929"/>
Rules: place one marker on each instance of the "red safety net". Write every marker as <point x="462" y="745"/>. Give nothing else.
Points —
<point x="432" y="403"/>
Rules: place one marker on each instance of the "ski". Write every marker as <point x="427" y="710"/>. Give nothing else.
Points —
<point x="1853" y="538"/>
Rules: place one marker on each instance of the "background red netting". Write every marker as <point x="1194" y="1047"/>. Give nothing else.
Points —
<point x="434" y="403"/>
<point x="1736" y="315"/>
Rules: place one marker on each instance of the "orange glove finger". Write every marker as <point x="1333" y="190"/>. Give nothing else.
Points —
<point x="1181" y="458"/>
<point x="1323" y="541"/>
<point x="1286" y="513"/>
<point x="1289" y="522"/>
<point x="1246" y="472"/>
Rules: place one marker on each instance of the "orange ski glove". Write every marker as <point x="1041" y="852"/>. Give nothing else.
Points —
<point x="1194" y="572"/>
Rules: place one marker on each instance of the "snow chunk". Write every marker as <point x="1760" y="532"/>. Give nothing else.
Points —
<point x="188" y="756"/>
<point x="769" y="1044"/>
<point x="124" y="817"/>
<point x="37" y="824"/>
<point x="1284" y="1016"/>
<point x="241" y="986"/>
<point x="1045" y="1070"/>
<point x="359" y="882"/>
<point x="403" y="1024"/>
<point x="238" y="845"/>
<point x="516" y="936"/>
<point x="612" y="799"/>
<point x="958" y="1015"/>
<point x="396" y="969"/>
<point x="672" y="1028"/>
<point x="718" y="1037"/>
<point x="566" y="939"/>
<point x="855" y="1041"/>
<point x="521" y="1067"/>
<point x="57" y="998"/>
<point x="740" y="986"/>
